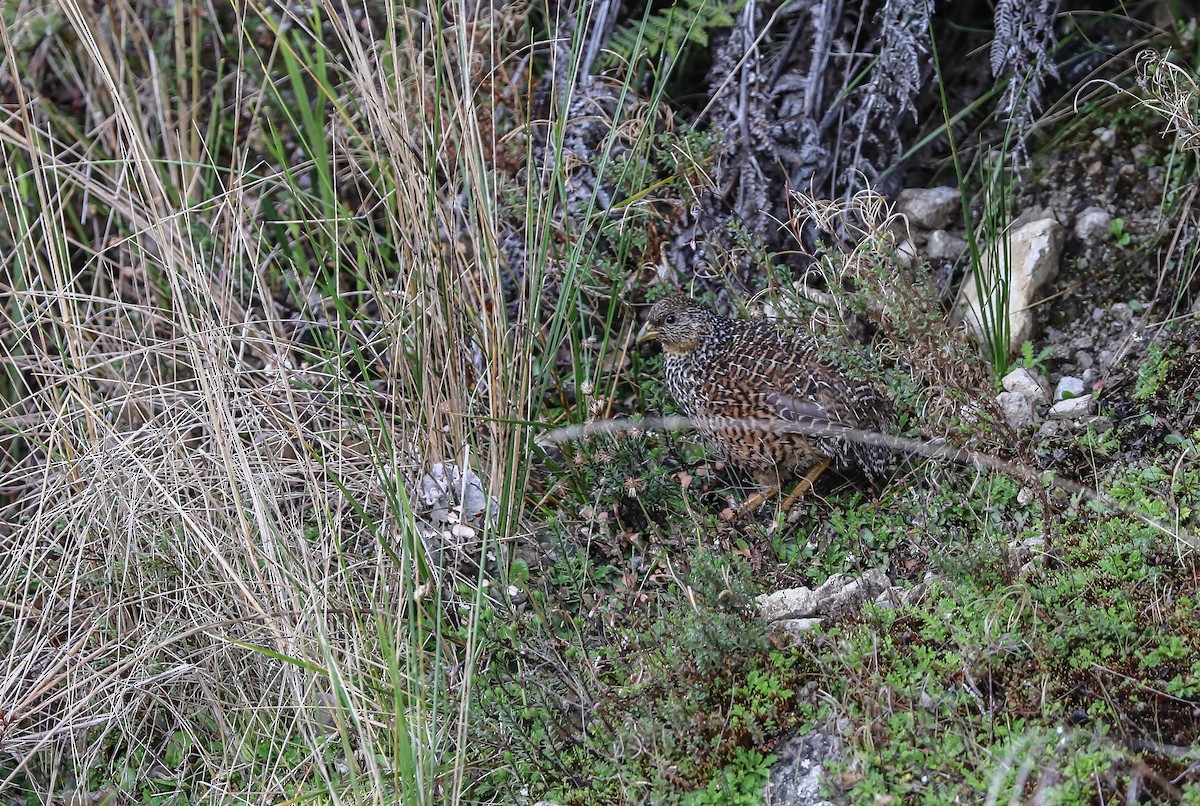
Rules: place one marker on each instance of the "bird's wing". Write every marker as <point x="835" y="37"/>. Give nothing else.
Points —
<point x="813" y="418"/>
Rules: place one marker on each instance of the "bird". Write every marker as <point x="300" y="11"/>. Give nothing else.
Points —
<point x="769" y="400"/>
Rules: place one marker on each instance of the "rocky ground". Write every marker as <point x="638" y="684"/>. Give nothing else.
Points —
<point x="1091" y="307"/>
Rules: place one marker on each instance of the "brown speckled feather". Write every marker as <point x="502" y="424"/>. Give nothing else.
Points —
<point x="751" y="371"/>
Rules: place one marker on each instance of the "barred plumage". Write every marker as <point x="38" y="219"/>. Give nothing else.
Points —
<point x="744" y="384"/>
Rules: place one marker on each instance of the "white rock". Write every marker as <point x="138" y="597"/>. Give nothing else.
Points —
<point x="792" y="603"/>
<point x="944" y="246"/>
<point x="929" y="208"/>
<point x="1093" y="225"/>
<point x="1017" y="408"/>
<point x="1033" y="252"/>
<point x="1029" y="383"/>
<point x="1068" y="387"/>
<point x="1072" y="408"/>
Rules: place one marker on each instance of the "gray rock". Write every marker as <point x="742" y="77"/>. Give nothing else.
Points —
<point x="1083" y="341"/>
<point x="792" y="603"/>
<point x="841" y="597"/>
<point x="1068" y="387"/>
<point x="1017" y="408"/>
<point x="1121" y="312"/>
<point x="1031" y="214"/>
<point x="1093" y="226"/>
<point x="1083" y="359"/>
<point x="1050" y="429"/>
<point x="929" y="208"/>
<point x="1098" y="314"/>
<point x="830" y="586"/>
<point x="1033" y="253"/>
<point x="1106" y="136"/>
<point x="1029" y="383"/>
<point x="1072" y="408"/>
<point x="453" y="497"/>
<point x="944" y="246"/>
<point x="795" y="779"/>
<point x="795" y="628"/>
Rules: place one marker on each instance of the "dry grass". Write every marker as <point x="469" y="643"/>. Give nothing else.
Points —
<point x="215" y="576"/>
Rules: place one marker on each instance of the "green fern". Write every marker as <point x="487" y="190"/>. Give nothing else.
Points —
<point x="666" y="31"/>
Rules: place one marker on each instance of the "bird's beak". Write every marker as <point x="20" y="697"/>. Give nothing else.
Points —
<point x="647" y="333"/>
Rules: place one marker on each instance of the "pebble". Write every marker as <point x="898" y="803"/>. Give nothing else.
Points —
<point x="1050" y="429"/>
<point x="1028" y="383"/>
<point x="944" y="246"/>
<point x="1071" y="408"/>
<point x="1122" y="313"/>
<point x="1106" y="358"/>
<point x="1017" y="408"/>
<point x="1106" y="136"/>
<point x="1083" y="342"/>
<point x="929" y="208"/>
<point x="1068" y="387"/>
<point x="1093" y="225"/>
<point x="1098" y="314"/>
<point x="1083" y="359"/>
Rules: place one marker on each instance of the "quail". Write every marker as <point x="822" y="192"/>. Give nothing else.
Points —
<point x="768" y="400"/>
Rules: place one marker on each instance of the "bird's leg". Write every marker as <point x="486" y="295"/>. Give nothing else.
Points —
<point x="804" y="485"/>
<point x="754" y="502"/>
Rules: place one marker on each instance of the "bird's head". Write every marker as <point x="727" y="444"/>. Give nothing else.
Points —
<point x="681" y="324"/>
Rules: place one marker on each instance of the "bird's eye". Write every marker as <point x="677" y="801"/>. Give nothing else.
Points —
<point x="670" y="320"/>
